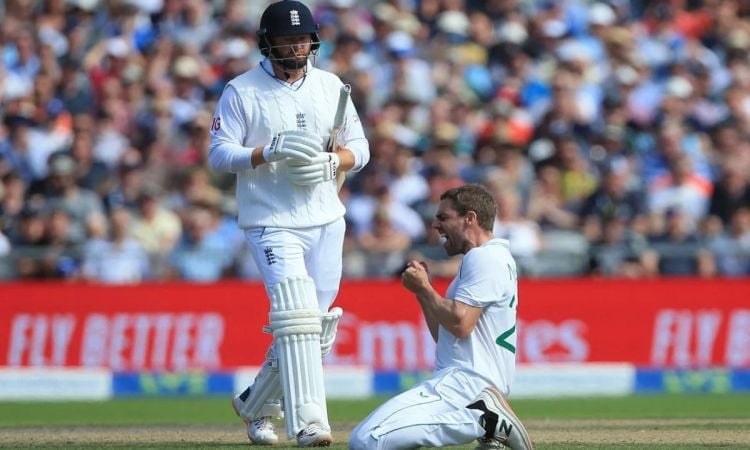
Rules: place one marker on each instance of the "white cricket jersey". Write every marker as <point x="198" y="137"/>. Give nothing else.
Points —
<point x="486" y="279"/>
<point x="253" y="108"/>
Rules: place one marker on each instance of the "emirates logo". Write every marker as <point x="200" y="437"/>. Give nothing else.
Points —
<point x="294" y="17"/>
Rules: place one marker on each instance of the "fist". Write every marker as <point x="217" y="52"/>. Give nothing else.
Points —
<point x="416" y="276"/>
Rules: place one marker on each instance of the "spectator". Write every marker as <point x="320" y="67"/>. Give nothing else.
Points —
<point x="732" y="248"/>
<point x="64" y="194"/>
<point x="524" y="235"/>
<point x="427" y="207"/>
<point x="386" y="246"/>
<point x="127" y="186"/>
<point x="12" y="201"/>
<point x="619" y="252"/>
<point x="404" y="73"/>
<point x="15" y="147"/>
<point x="407" y="185"/>
<point x="91" y="173"/>
<point x="156" y="228"/>
<point x="673" y="141"/>
<point x="361" y="210"/>
<point x="681" y="189"/>
<point x="191" y="24"/>
<point x="27" y="241"/>
<point x="547" y="206"/>
<point x="577" y="178"/>
<point x="105" y="61"/>
<point x="679" y="250"/>
<point x="612" y="199"/>
<point x="200" y="255"/>
<point x="194" y="186"/>
<point x="111" y="143"/>
<point x="61" y="246"/>
<point x="188" y="91"/>
<point x="119" y="259"/>
<point x="731" y="193"/>
<point x="75" y="87"/>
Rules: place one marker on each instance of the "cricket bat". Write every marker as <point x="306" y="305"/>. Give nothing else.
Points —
<point x="338" y="123"/>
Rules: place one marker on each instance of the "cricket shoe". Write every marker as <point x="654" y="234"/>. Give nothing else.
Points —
<point x="259" y="431"/>
<point x="489" y="444"/>
<point x="501" y="425"/>
<point x="314" y="435"/>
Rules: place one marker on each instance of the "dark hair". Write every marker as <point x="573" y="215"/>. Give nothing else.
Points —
<point x="473" y="197"/>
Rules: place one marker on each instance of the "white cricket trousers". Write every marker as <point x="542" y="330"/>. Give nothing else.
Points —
<point x="316" y="252"/>
<point x="431" y="414"/>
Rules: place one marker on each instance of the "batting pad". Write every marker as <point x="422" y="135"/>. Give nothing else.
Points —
<point x="296" y="324"/>
<point x="265" y="395"/>
<point x="330" y="323"/>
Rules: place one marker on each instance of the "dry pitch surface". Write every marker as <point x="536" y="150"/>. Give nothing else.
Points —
<point x="657" y="421"/>
<point x="558" y="433"/>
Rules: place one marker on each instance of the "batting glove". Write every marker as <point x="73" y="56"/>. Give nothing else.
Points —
<point x="321" y="169"/>
<point x="298" y="145"/>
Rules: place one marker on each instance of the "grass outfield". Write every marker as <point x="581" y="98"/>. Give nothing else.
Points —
<point x="663" y="421"/>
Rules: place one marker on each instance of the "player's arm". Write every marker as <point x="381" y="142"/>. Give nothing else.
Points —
<point x="346" y="158"/>
<point x="353" y="147"/>
<point x="456" y="317"/>
<point x="228" y="128"/>
<point x="430" y="319"/>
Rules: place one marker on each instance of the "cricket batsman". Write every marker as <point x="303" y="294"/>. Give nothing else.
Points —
<point x="288" y="131"/>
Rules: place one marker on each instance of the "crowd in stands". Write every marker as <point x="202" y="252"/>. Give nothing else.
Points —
<point x="614" y="134"/>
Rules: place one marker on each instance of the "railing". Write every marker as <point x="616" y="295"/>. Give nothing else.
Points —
<point x="563" y="254"/>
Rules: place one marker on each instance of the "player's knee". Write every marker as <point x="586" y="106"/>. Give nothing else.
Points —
<point x="361" y="438"/>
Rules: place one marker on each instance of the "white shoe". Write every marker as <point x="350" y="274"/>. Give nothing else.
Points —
<point x="500" y="423"/>
<point x="490" y="443"/>
<point x="314" y="435"/>
<point x="259" y="431"/>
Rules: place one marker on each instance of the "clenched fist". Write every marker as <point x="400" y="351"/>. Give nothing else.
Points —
<point x="416" y="277"/>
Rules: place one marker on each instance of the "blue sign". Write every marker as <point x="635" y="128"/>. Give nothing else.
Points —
<point x="129" y="384"/>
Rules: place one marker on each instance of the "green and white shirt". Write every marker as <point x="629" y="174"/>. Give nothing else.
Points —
<point x="486" y="279"/>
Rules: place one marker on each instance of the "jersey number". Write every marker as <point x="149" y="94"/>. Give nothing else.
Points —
<point x="502" y="340"/>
